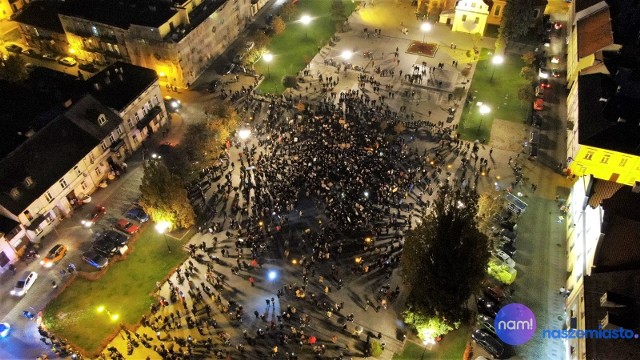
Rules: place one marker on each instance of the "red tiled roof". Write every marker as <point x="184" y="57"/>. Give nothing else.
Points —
<point x="594" y="33"/>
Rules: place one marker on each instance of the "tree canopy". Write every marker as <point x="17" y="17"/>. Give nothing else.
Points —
<point x="288" y="10"/>
<point x="278" y="25"/>
<point x="338" y="9"/>
<point x="164" y="197"/>
<point x="13" y="69"/>
<point x="515" y="20"/>
<point x="445" y="256"/>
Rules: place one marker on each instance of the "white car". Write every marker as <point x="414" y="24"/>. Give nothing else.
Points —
<point x="67" y="61"/>
<point x="502" y="256"/>
<point x="4" y="329"/>
<point x="24" y="283"/>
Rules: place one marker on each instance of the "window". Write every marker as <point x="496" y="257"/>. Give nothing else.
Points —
<point x="76" y="170"/>
<point x="605" y="159"/>
<point x="15" y="193"/>
<point x="98" y="171"/>
<point x="496" y="11"/>
<point x="48" y="196"/>
<point x="119" y="130"/>
<point x="92" y="158"/>
<point x="589" y="155"/>
<point x="155" y="100"/>
<point x="137" y="118"/>
<point x="623" y="162"/>
<point x="28" y="215"/>
<point x="102" y="119"/>
<point x="63" y="183"/>
<point x="130" y="123"/>
<point x="103" y="146"/>
<point x="135" y="138"/>
<point x="112" y="137"/>
<point x="473" y="4"/>
<point x="477" y="20"/>
<point x="464" y="17"/>
<point x="28" y="181"/>
<point x="38" y="230"/>
<point x="84" y="185"/>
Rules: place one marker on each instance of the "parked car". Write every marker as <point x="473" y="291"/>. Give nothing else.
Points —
<point x="88" y="67"/>
<point x="95" y="259"/>
<point x="508" y="234"/>
<point x="538" y="104"/>
<point x="126" y="226"/>
<point x="68" y="61"/>
<point x="94" y="216"/>
<point x="494" y="292"/>
<point x="486" y="307"/>
<point x="509" y="225"/>
<point x="509" y="249"/>
<point x="544" y="83"/>
<point x="228" y="69"/>
<point x="536" y="120"/>
<point x="488" y="342"/>
<point x="4" y="330"/>
<point x="54" y="255"/>
<point x="556" y="73"/>
<point x="502" y="256"/>
<point x="172" y="105"/>
<point x="214" y="85"/>
<point x="249" y="45"/>
<point x="115" y="237"/>
<point x="546" y="42"/>
<point x="31" y="53"/>
<point x="24" y="283"/>
<point x="50" y="56"/>
<point x="13" y="48"/>
<point x="543" y="73"/>
<point x="137" y="214"/>
<point x="485" y="322"/>
<point x="105" y="247"/>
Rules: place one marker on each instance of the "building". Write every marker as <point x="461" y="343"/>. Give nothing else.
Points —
<point x="61" y="150"/>
<point x="472" y="16"/>
<point x="10" y="7"/>
<point x="41" y="28"/>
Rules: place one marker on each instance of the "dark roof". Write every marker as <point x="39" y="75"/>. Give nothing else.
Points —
<point x="52" y="152"/>
<point x="594" y="33"/>
<point x="622" y="289"/>
<point x="121" y="13"/>
<point x="605" y="119"/>
<point x="41" y="14"/>
<point x="7" y="225"/>
<point x="601" y="190"/>
<point x="625" y="16"/>
<point x="584" y="4"/>
<point x="120" y="83"/>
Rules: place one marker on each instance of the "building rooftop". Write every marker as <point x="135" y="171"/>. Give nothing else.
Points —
<point x="41" y="14"/>
<point x="607" y="119"/>
<point x="594" y="33"/>
<point x="7" y="225"/>
<point x="52" y="152"/>
<point x="622" y="289"/>
<point x="121" y="13"/>
<point x="120" y="83"/>
<point x="585" y="4"/>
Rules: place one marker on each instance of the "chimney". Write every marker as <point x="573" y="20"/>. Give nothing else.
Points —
<point x="68" y="103"/>
<point x="96" y="86"/>
<point x="107" y="80"/>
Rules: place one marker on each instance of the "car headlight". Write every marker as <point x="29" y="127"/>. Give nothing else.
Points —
<point x="48" y="265"/>
<point x="41" y="262"/>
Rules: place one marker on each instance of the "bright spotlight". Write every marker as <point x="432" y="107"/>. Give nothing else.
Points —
<point x="244" y="134"/>
<point x="346" y="54"/>
<point x="272" y="275"/>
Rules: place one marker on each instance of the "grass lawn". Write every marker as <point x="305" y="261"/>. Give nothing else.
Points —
<point x="124" y="290"/>
<point x="501" y="95"/>
<point x="452" y="347"/>
<point x="294" y="48"/>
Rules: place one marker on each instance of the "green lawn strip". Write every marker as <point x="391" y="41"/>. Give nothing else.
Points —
<point x="294" y="48"/>
<point x="451" y="347"/>
<point x="501" y="95"/>
<point x="124" y="290"/>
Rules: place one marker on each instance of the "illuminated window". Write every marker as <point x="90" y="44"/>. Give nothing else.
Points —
<point x="605" y="159"/>
<point x="477" y="20"/>
<point x="103" y="146"/>
<point x="464" y="17"/>
<point x="623" y="162"/>
<point x="496" y="12"/>
<point x="48" y="196"/>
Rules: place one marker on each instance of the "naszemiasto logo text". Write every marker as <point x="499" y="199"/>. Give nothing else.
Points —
<point x="620" y="333"/>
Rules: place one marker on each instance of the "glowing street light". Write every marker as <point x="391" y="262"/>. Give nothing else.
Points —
<point x="272" y="275"/>
<point x="346" y="55"/>
<point x="483" y="110"/>
<point x="244" y="133"/>
<point x="425" y="28"/>
<point x="162" y="228"/>
<point x="305" y="20"/>
<point x="496" y="60"/>
<point x="267" y="57"/>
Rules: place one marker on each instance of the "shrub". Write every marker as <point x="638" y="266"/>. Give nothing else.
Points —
<point x="375" y="349"/>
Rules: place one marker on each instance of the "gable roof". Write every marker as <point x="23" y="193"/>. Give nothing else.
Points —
<point x="120" y="84"/>
<point x="52" y="152"/>
<point x="594" y="32"/>
<point x="121" y="13"/>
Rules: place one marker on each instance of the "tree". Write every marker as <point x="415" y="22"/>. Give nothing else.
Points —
<point x="260" y="39"/>
<point x="445" y="257"/>
<point x="278" y="25"/>
<point x="528" y="73"/>
<point x="289" y="81"/>
<point x="164" y="197"/>
<point x="516" y="14"/>
<point x="490" y="204"/>
<point x="13" y="69"/>
<point x="529" y="58"/>
<point x="337" y="9"/>
<point x="375" y="349"/>
<point x="288" y="10"/>
<point x="428" y="327"/>
<point x="525" y="93"/>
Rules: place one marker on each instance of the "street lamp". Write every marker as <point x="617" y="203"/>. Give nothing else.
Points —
<point x="162" y="228"/>
<point x="244" y="133"/>
<point x="497" y="60"/>
<point x="267" y="57"/>
<point x="483" y="109"/>
<point x="346" y="55"/>
<point x="425" y="27"/>
<point x="305" y="20"/>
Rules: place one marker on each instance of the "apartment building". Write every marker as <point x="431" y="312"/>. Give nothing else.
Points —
<point x="41" y="28"/>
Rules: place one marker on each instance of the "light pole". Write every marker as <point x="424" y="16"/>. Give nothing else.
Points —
<point x="162" y="228"/>
<point x="497" y="60"/>
<point x="305" y="20"/>
<point x="425" y="27"/>
<point x="484" y="109"/>
<point x="267" y="57"/>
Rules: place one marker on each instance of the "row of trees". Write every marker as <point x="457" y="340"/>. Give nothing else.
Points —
<point x="514" y="26"/>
